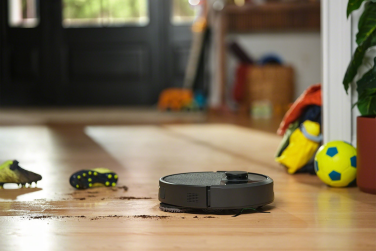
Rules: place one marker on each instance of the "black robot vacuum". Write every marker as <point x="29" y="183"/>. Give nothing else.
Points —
<point x="214" y="191"/>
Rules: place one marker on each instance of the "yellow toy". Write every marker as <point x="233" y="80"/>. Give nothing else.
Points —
<point x="303" y="144"/>
<point x="335" y="163"/>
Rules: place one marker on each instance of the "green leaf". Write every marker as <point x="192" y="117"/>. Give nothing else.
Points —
<point x="366" y="87"/>
<point x="357" y="59"/>
<point x="367" y="23"/>
<point x="368" y="81"/>
<point x="353" y="5"/>
<point x="367" y="102"/>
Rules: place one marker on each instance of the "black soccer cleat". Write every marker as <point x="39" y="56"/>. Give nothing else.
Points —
<point x="93" y="178"/>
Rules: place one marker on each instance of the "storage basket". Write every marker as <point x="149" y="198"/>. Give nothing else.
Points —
<point x="273" y="84"/>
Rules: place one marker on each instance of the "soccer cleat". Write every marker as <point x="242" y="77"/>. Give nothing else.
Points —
<point x="11" y="172"/>
<point x="93" y="178"/>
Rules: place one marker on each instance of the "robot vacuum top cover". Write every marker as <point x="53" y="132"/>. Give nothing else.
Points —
<point x="216" y="190"/>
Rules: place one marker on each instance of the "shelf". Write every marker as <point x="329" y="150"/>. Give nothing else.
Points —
<point x="273" y="17"/>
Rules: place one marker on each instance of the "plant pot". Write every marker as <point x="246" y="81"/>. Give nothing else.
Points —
<point x="366" y="156"/>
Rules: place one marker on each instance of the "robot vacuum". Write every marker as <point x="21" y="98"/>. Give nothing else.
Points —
<point x="214" y="191"/>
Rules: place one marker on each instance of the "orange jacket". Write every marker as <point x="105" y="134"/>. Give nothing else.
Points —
<point x="311" y="96"/>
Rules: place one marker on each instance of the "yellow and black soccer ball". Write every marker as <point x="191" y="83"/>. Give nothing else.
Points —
<point x="335" y="163"/>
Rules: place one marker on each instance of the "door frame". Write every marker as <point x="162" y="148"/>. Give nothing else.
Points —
<point x="336" y="53"/>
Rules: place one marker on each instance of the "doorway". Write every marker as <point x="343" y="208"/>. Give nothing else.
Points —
<point x="92" y="53"/>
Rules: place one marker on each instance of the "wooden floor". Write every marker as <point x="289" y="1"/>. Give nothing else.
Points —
<point x="306" y="214"/>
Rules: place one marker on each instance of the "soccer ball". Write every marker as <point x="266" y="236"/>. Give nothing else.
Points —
<point x="335" y="163"/>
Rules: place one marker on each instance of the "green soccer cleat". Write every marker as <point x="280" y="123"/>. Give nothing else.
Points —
<point x="93" y="178"/>
<point x="11" y="172"/>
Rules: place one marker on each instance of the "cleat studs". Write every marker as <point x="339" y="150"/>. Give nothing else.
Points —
<point x="84" y="174"/>
<point x="113" y="184"/>
<point x="89" y="179"/>
<point x="107" y="183"/>
<point x="109" y="176"/>
<point x="115" y="176"/>
<point x="95" y="173"/>
<point x="89" y="172"/>
<point x="77" y="186"/>
<point x="90" y="185"/>
<point x="78" y="177"/>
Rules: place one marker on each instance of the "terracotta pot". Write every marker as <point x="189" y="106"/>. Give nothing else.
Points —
<point x="366" y="156"/>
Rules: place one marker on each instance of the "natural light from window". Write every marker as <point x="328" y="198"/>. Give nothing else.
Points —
<point x="183" y="11"/>
<point x="104" y="13"/>
<point x="23" y="13"/>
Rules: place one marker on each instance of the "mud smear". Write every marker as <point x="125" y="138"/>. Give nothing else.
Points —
<point x="206" y="217"/>
<point x="125" y="188"/>
<point x="132" y="198"/>
<point x="126" y="198"/>
<point x="108" y="216"/>
<point x="143" y="216"/>
<point x="51" y="217"/>
<point x="151" y="217"/>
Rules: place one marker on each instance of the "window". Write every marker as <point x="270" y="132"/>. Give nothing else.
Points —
<point x="184" y="11"/>
<point x="84" y="13"/>
<point x="23" y="13"/>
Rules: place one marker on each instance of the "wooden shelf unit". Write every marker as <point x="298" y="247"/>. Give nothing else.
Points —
<point x="270" y="17"/>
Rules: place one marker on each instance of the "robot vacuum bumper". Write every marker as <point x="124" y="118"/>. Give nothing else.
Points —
<point x="215" y="190"/>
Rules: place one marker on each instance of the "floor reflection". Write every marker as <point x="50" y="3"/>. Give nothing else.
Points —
<point x="13" y="194"/>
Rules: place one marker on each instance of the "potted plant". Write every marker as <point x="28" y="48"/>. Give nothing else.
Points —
<point x="366" y="88"/>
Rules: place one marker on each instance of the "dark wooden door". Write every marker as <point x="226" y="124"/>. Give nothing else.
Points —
<point x="118" y="65"/>
<point x="23" y="54"/>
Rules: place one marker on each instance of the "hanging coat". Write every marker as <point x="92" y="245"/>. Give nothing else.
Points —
<point x="312" y="96"/>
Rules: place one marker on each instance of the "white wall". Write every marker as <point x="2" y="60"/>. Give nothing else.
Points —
<point x="301" y="50"/>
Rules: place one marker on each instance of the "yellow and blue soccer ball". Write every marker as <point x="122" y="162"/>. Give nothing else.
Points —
<point x="335" y="163"/>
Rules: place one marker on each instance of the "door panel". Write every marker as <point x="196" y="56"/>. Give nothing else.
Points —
<point x="179" y="59"/>
<point x="21" y="59"/>
<point x="179" y="22"/>
<point x="114" y="64"/>
<point x="107" y="65"/>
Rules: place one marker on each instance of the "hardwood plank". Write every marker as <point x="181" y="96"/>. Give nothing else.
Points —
<point x="306" y="214"/>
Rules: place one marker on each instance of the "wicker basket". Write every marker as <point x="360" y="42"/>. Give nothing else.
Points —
<point x="273" y="84"/>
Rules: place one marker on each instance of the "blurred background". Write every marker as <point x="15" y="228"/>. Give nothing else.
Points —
<point x="156" y="61"/>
